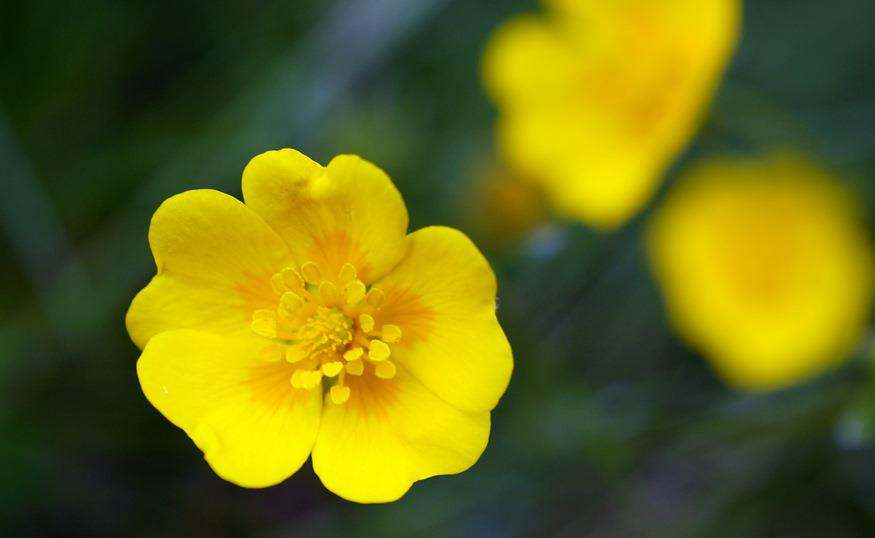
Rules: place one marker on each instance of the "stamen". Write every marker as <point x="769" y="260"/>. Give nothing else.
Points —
<point x="339" y="394"/>
<point x="263" y="314"/>
<point x="355" y="367"/>
<point x="385" y="370"/>
<point x="331" y="369"/>
<point x="314" y="326"/>
<point x="291" y="301"/>
<point x="391" y="333"/>
<point x="378" y="351"/>
<point x="354" y="292"/>
<point x="306" y="379"/>
<point x="311" y="273"/>
<point x="347" y="273"/>
<point x="328" y="292"/>
<point x="276" y="282"/>
<point x="353" y="354"/>
<point x="366" y="322"/>
<point x="264" y="326"/>
<point x="375" y="297"/>
<point x="296" y="353"/>
<point x="292" y="279"/>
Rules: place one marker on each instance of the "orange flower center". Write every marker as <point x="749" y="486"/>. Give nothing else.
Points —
<point x="326" y="327"/>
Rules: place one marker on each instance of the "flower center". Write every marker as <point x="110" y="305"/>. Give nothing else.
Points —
<point x="325" y="332"/>
<point x="326" y="327"/>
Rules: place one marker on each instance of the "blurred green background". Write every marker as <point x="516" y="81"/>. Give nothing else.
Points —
<point x="610" y="427"/>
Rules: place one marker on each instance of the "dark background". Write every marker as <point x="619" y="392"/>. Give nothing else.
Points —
<point x="610" y="427"/>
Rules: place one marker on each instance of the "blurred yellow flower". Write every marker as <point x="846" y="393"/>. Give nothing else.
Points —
<point x="307" y="320"/>
<point x="765" y="267"/>
<point x="598" y="97"/>
<point x="502" y="207"/>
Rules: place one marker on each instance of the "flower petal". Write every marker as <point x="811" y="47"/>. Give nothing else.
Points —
<point x="586" y="174"/>
<point x="348" y="211"/>
<point x="528" y="62"/>
<point x="391" y="433"/>
<point x="442" y="296"/>
<point x="255" y="430"/>
<point x="215" y="258"/>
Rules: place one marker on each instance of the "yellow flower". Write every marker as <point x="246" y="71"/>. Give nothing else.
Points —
<point x="502" y="207"/>
<point x="598" y="97"/>
<point x="307" y="320"/>
<point x="765" y="268"/>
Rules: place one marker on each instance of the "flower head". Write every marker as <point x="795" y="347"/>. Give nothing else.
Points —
<point x="597" y="97"/>
<point x="308" y="320"/>
<point x="765" y="268"/>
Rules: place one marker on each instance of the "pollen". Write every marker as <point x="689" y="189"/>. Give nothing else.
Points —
<point x="326" y="327"/>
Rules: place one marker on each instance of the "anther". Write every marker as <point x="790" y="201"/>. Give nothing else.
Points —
<point x="331" y="369"/>
<point x="306" y="379"/>
<point x="378" y="351"/>
<point x="296" y="353"/>
<point x="353" y="354"/>
<point x="385" y="370"/>
<point x="328" y="292"/>
<point x="276" y="282"/>
<point x="263" y="313"/>
<point x="339" y="394"/>
<point x="355" y="367"/>
<point x="375" y="297"/>
<point x="311" y="273"/>
<point x="264" y="326"/>
<point x="292" y="279"/>
<point x="390" y="333"/>
<point x="354" y="291"/>
<point x="347" y="273"/>
<point x="366" y="322"/>
<point x="291" y="301"/>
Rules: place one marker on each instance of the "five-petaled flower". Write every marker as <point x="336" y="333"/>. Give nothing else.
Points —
<point x="308" y="320"/>
<point x="766" y="268"/>
<point x="597" y="97"/>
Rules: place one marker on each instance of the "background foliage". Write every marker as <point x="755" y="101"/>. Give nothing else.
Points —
<point x="611" y="426"/>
